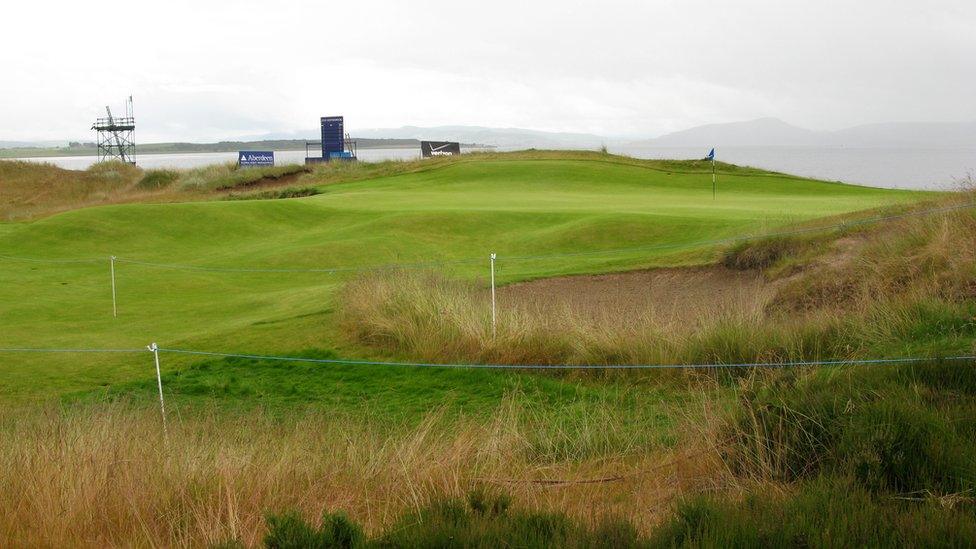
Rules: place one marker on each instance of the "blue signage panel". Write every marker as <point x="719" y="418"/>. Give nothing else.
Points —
<point x="333" y="138"/>
<point x="255" y="158"/>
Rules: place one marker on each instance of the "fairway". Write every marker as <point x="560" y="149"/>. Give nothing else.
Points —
<point x="529" y="210"/>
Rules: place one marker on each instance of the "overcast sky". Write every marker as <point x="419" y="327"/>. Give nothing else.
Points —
<point x="214" y="69"/>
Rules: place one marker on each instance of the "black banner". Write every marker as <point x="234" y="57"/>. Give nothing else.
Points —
<point x="439" y="148"/>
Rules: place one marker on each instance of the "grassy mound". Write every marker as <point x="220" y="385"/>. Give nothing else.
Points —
<point x="29" y="189"/>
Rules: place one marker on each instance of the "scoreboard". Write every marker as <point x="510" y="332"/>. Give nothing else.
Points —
<point x="333" y="136"/>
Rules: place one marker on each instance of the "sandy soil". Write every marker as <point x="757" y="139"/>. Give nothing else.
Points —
<point x="669" y="295"/>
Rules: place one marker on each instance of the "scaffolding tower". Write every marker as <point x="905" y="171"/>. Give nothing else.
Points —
<point x="115" y="135"/>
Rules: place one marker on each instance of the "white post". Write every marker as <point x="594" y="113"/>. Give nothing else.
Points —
<point x="159" y="380"/>
<point x="115" y="309"/>
<point x="493" y="329"/>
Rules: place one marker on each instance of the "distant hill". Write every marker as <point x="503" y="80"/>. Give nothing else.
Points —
<point x="499" y="137"/>
<point x="18" y="144"/>
<point x="763" y="132"/>
<point x="774" y="132"/>
<point x="508" y="138"/>
<point x="910" y="134"/>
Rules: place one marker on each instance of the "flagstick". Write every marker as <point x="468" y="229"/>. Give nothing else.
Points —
<point x="713" y="177"/>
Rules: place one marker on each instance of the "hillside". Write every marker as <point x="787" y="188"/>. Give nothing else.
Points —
<point x="519" y="138"/>
<point x="772" y="132"/>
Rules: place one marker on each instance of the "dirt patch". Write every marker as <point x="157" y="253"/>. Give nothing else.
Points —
<point x="265" y="183"/>
<point x="668" y="295"/>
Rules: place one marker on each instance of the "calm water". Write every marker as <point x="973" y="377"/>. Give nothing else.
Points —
<point x="895" y="168"/>
<point x="195" y="160"/>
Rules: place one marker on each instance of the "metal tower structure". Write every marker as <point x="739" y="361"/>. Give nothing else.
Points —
<point x="115" y="135"/>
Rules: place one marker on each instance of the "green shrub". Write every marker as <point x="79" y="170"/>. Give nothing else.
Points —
<point x="867" y="424"/>
<point x="902" y="447"/>
<point x="290" y="531"/>
<point x="484" y="502"/>
<point x="820" y="513"/>
<point x="487" y="521"/>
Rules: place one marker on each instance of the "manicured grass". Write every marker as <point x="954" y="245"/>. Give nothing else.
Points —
<point x="560" y="415"/>
<point x="515" y="206"/>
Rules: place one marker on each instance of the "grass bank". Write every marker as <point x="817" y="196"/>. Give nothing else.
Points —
<point x="903" y="287"/>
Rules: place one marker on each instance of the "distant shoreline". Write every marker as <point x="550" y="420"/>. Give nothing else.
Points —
<point x="223" y="146"/>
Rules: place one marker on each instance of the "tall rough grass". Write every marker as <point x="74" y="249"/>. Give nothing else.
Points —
<point x="431" y="318"/>
<point x="218" y="177"/>
<point x="29" y="189"/>
<point x="105" y="475"/>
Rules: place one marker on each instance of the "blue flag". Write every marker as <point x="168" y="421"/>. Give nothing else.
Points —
<point x="711" y="154"/>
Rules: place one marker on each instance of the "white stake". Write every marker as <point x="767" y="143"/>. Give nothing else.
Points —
<point x="493" y="330"/>
<point x="115" y="309"/>
<point x="159" y="380"/>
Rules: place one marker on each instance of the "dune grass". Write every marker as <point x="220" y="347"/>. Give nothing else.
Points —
<point x="30" y="190"/>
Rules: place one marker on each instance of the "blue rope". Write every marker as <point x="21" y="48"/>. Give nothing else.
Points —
<point x="854" y="362"/>
<point x="38" y="350"/>
<point x="56" y="260"/>
<point x="715" y="365"/>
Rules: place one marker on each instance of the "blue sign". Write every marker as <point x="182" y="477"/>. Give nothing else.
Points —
<point x="333" y="138"/>
<point x="255" y="158"/>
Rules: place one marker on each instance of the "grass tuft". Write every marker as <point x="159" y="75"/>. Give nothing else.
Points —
<point x="157" y="179"/>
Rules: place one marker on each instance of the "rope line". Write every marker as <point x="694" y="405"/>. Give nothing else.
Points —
<point x="501" y="258"/>
<point x="56" y="260"/>
<point x="673" y="366"/>
<point x="388" y="266"/>
<point x="715" y="365"/>
<point x="39" y="350"/>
